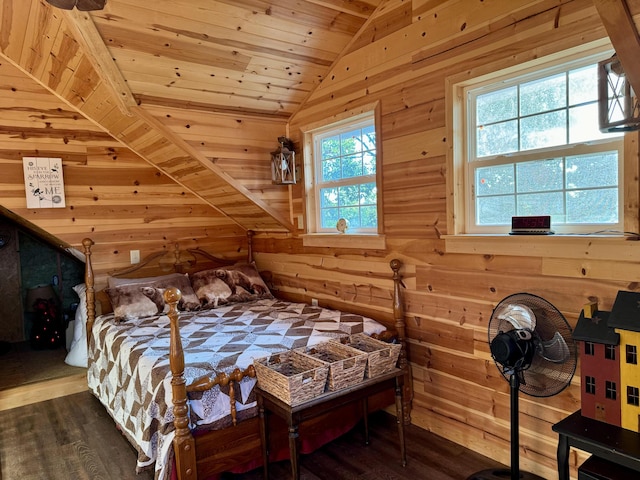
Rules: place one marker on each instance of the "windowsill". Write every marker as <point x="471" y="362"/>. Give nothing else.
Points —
<point x="345" y="240"/>
<point x="594" y="247"/>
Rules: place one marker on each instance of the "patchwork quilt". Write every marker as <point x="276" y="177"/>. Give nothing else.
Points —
<point x="129" y="364"/>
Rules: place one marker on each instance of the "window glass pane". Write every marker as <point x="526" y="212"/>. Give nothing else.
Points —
<point x="369" y="138"/>
<point x="593" y="206"/>
<point x="496" y="180"/>
<point x="330" y="170"/>
<point x="352" y="166"/>
<point x="369" y="217"/>
<point x="369" y="163"/>
<point x="497" y="106"/>
<point x="368" y="193"/>
<point x="348" y="195"/>
<point x="329" y="197"/>
<point x="330" y="147"/>
<point x="495" y="210"/>
<point x="583" y="85"/>
<point x="583" y="124"/>
<point x="543" y="95"/>
<point x="352" y="214"/>
<point x="351" y="142"/>
<point x="588" y="171"/>
<point x="540" y="176"/>
<point x="550" y="203"/>
<point x="329" y="217"/>
<point x="497" y="139"/>
<point x="543" y="130"/>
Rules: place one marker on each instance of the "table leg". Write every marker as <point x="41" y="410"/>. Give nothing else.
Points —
<point x="400" y="420"/>
<point x="264" y="438"/>
<point x="293" y="450"/>
<point x="563" y="457"/>
<point x="365" y="419"/>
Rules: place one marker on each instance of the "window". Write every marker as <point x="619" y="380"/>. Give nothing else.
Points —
<point x="633" y="396"/>
<point x="533" y="148"/>
<point x="590" y="385"/>
<point x="610" y="390"/>
<point x="345" y="176"/>
<point x="632" y="354"/>
<point x="588" y="348"/>
<point x="610" y="352"/>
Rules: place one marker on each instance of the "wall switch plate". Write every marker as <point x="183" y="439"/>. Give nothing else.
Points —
<point x="135" y="256"/>
<point x="300" y="222"/>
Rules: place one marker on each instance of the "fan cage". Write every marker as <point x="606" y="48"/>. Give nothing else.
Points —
<point x="543" y="378"/>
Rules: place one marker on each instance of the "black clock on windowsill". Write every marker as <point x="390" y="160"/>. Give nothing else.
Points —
<point x="531" y="225"/>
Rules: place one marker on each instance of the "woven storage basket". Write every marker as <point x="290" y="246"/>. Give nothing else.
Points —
<point x="346" y="364"/>
<point x="381" y="356"/>
<point x="291" y="376"/>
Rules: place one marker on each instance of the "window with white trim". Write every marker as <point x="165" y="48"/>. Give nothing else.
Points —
<point x="345" y="176"/>
<point x="533" y="148"/>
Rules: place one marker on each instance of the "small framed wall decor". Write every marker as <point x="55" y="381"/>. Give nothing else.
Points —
<point x="43" y="182"/>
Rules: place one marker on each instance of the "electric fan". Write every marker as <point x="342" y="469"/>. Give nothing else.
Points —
<point x="533" y="348"/>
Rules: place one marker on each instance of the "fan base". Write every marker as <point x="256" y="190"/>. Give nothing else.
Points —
<point x="501" y="474"/>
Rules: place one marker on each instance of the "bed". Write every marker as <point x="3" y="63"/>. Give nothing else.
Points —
<point x="171" y="359"/>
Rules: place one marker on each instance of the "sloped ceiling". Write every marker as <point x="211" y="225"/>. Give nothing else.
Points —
<point x="254" y="58"/>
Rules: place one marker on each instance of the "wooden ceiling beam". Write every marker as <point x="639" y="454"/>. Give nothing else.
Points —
<point x="623" y="34"/>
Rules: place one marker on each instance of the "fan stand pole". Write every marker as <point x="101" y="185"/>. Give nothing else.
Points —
<point x="514" y="472"/>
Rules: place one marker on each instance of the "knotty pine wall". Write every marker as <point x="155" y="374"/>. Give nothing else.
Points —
<point x="112" y="195"/>
<point x="403" y="61"/>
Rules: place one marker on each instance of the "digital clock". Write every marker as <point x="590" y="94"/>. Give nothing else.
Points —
<point x="531" y="225"/>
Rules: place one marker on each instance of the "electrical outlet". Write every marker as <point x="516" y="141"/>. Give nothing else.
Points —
<point x="314" y="302"/>
<point x="300" y="222"/>
<point x="135" y="256"/>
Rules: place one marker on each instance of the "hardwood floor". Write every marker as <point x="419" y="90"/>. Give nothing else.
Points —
<point x="73" y="437"/>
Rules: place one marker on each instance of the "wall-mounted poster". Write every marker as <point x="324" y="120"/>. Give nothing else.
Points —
<point x="43" y="182"/>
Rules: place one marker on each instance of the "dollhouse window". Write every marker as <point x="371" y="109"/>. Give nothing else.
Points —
<point x="632" y="354"/>
<point x="588" y="348"/>
<point x="590" y="385"/>
<point x="610" y="352"/>
<point x="633" y="396"/>
<point x="610" y="390"/>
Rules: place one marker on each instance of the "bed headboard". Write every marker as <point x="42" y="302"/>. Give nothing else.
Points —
<point x="160" y="263"/>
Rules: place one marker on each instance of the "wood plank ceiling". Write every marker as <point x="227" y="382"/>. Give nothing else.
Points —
<point x="252" y="57"/>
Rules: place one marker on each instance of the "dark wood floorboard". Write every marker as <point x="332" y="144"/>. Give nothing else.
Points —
<point x="73" y="437"/>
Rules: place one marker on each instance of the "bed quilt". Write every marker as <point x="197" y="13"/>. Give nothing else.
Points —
<point x="129" y="364"/>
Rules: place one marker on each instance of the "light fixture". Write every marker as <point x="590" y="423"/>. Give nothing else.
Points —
<point x="283" y="163"/>
<point x="618" y="107"/>
<point x="82" y="5"/>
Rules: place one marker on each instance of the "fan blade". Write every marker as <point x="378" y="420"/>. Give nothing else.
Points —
<point x="90" y="5"/>
<point x="555" y="350"/>
<point x="64" y="4"/>
<point x="520" y="316"/>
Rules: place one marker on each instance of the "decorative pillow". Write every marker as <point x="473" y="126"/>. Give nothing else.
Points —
<point x="137" y="300"/>
<point x="77" y="356"/>
<point x="238" y="283"/>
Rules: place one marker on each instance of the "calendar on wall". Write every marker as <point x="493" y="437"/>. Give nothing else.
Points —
<point x="43" y="181"/>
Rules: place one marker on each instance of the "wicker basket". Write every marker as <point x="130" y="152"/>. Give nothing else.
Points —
<point x="381" y="356"/>
<point x="291" y="376"/>
<point x="346" y="364"/>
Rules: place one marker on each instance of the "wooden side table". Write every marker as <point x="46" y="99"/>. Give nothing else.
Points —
<point x="267" y="403"/>
<point x="606" y="441"/>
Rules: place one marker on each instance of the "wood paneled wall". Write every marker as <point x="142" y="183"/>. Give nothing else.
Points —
<point x="112" y="195"/>
<point x="449" y="296"/>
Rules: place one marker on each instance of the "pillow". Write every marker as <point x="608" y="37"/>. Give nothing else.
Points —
<point x="238" y="283"/>
<point x="77" y="356"/>
<point x="138" y="300"/>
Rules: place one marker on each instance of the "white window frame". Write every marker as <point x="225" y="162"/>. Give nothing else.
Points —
<point x="316" y="236"/>
<point x="461" y="209"/>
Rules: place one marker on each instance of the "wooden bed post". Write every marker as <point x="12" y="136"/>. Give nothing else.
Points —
<point x="89" y="286"/>
<point x="398" y="316"/>
<point x="250" y="234"/>
<point x="183" y="443"/>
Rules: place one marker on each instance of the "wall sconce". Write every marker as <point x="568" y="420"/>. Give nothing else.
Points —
<point x="618" y="107"/>
<point x="283" y="163"/>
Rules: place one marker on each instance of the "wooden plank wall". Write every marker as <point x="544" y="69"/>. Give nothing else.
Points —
<point x="112" y="195"/>
<point x="402" y="61"/>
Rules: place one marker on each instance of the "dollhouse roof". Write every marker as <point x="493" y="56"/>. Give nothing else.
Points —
<point x="596" y="329"/>
<point x="625" y="313"/>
